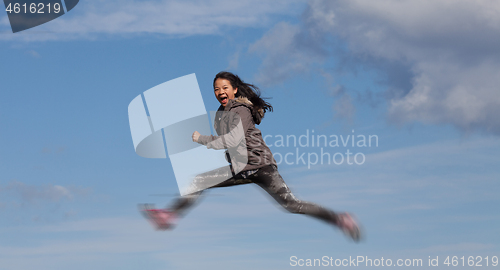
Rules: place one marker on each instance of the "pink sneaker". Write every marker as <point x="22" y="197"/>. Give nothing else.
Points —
<point x="349" y="226"/>
<point x="161" y="219"/>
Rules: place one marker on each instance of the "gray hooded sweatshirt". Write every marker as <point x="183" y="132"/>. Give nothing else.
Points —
<point x="235" y="125"/>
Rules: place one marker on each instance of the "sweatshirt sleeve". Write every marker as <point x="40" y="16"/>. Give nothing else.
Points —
<point x="204" y="139"/>
<point x="237" y="119"/>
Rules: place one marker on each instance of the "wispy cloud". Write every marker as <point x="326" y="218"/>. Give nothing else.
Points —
<point x="413" y="189"/>
<point x="170" y="18"/>
<point x="120" y="241"/>
<point x="422" y="177"/>
<point x="459" y="248"/>
<point x="28" y="194"/>
<point x="33" y="53"/>
<point x="20" y="202"/>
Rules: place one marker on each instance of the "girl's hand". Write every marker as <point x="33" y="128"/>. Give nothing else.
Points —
<point x="195" y="136"/>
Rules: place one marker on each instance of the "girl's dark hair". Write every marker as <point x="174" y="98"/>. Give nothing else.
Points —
<point x="247" y="90"/>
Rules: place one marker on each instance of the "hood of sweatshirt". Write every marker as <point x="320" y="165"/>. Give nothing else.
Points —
<point x="243" y="101"/>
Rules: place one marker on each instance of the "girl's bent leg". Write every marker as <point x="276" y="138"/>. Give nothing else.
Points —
<point x="271" y="181"/>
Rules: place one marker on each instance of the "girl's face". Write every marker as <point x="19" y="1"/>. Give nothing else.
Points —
<point x="224" y="91"/>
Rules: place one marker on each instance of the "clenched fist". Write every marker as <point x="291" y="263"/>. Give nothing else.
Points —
<point x="195" y="136"/>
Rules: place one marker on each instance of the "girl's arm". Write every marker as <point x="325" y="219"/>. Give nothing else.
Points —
<point x="239" y="118"/>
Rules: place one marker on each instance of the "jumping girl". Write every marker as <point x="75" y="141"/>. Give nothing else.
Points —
<point x="244" y="101"/>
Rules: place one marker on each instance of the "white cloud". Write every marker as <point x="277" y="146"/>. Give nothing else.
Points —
<point x="448" y="51"/>
<point x="466" y="96"/>
<point x="179" y="18"/>
<point x="450" y="46"/>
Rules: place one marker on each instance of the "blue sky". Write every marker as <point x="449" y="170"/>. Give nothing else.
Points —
<point x="422" y="76"/>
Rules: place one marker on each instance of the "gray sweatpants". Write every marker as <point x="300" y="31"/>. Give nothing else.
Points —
<point x="268" y="179"/>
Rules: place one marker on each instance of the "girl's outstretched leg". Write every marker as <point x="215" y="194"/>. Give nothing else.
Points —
<point x="181" y="204"/>
<point x="271" y="181"/>
<point x="165" y="218"/>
